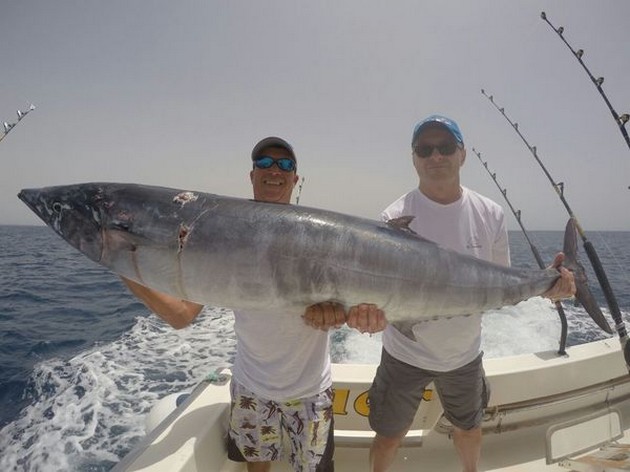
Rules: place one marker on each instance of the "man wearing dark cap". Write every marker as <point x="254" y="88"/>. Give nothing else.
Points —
<point x="446" y="351"/>
<point x="281" y="379"/>
<point x="281" y="384"/>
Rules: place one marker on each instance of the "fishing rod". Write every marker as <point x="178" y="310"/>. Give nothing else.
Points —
<point x="588" y="246"/>
<point x="620" y="120"/>
<point x="9" y="126"/>
<point x="541" y="264"/>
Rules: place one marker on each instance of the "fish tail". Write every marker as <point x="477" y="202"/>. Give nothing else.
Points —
<point x="583" y="293"/>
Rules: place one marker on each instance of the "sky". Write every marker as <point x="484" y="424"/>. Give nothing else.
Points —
<point x="176" y="94"/>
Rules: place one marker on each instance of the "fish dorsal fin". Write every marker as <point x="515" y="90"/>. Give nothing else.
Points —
<point x="402" y="223"/>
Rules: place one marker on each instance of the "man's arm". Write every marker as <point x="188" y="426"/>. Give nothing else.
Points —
<point x="175" y="311"/>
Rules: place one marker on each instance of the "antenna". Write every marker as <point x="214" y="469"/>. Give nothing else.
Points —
<point x="297" y="199"/>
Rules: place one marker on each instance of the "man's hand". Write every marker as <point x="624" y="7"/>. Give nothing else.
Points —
<point x="565" y="285"/>
<point x="325" y="315"/>
<point x="367" y="318"/>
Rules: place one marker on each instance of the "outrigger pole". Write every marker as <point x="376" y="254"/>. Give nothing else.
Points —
<point x="541" y="264"/>
<point x="588" y="246"/>
<point x="620" y="120"/>
<point x="9" y="126"/>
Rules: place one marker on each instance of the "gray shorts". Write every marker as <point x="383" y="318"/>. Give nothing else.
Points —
<point x="397" y="391"/>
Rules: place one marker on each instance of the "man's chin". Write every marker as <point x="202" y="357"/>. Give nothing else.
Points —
<point x="274" y="197"/>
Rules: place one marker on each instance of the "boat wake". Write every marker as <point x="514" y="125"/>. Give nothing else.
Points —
<point x="88" y="411"/>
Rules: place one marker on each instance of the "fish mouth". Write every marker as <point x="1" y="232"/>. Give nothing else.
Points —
<point x="43" y="202"/>
<point x="75" y="223"/>
<point x="32" y="199"/>
<point x="28" y="197"/>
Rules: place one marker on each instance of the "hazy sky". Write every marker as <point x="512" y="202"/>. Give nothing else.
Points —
<point x="176" y="93"/>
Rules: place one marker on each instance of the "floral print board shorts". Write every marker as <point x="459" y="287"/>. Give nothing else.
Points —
<point x="260" y="429"/>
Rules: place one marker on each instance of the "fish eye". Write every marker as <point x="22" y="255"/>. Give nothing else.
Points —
<point x="56" y="207"/>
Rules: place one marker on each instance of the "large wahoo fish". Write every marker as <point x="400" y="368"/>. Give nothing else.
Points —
<point x="248" y="255"/>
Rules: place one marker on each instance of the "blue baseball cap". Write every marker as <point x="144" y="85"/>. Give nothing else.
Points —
<point x="439" y="120"/>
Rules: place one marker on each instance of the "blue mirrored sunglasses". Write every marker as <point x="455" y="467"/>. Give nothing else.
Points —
<point x="284" y="163"/>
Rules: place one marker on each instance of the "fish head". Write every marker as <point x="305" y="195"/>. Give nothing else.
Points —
<point x="72" y="211"/>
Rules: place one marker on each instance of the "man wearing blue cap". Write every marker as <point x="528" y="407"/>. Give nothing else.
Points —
<point x="445" y="351"/>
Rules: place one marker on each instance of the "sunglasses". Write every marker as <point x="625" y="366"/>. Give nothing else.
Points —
<point x="426" y="150"/>
<point x="284" y="163"/>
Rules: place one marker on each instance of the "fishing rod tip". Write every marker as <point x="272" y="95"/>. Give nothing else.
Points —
<point x="543" y="15"/>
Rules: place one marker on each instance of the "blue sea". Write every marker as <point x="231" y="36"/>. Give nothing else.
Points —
<point x="83" y="361"/>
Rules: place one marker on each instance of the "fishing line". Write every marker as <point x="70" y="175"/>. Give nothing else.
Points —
<point x="534" y="249"/>
<point x="588" y="246"/>
<point x="597" y="82"/>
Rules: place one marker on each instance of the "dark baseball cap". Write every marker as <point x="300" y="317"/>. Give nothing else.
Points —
<point x="272" y="141"/>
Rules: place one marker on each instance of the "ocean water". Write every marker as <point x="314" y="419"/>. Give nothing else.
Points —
<point x="83" y="361"/>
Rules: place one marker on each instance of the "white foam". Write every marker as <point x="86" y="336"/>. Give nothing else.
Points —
<point x="90" y="409"/>
<point x="530" y="326"/>
<point x="533" y="326"/>
<point x="349" y="346"/>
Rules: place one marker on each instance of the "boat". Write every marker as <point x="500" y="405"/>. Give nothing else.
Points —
<point x="547" y="412"/>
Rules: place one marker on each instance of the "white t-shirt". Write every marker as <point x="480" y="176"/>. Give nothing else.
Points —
<point x="472" y="225"/>
<point x="279" y="357"/>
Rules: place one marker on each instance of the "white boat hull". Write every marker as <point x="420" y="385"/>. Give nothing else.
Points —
<point x="544" y="411"/>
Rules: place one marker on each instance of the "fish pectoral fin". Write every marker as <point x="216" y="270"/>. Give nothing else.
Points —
<point x="117" y="240"/>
